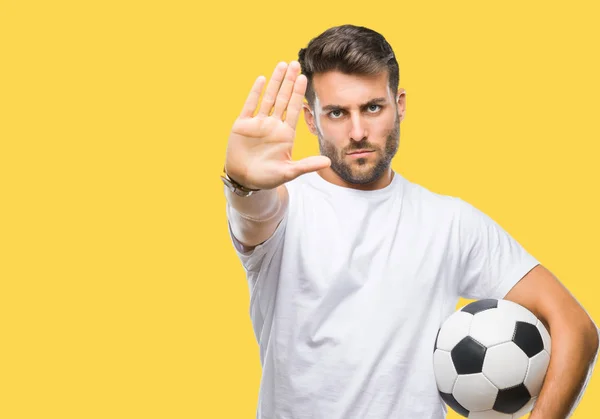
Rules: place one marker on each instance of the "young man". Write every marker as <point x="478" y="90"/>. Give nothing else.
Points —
<point x="351" y="267"/>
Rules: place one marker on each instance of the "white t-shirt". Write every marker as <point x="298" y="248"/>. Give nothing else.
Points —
<point x="348" y="294"/>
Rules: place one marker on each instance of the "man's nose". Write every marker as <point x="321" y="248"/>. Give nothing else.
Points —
<point x="358" y="130"/>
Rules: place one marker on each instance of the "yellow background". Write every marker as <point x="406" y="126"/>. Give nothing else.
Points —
<point x="121" y="295"/>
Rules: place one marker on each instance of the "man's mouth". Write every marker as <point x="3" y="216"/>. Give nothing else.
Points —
<point x="359" y="153"/>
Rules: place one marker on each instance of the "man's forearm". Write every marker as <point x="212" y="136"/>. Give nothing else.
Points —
<point x="253" y="219"/>
<point x="573" y="350"/>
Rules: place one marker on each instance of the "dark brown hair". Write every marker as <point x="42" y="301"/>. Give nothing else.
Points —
<point x="351" y="50"/>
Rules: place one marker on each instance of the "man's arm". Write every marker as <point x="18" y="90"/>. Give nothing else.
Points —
<point x="574" y="340"/>
<point x="259" y="155"/>
<point x="253" y="219"/>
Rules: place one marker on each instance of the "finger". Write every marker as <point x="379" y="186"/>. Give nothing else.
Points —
<point x="283" y="97"/>
<point x="272" y="88"/>
<point x="307" y="165"/>
<point x="295" y="104"/>
<point x="252" y="99"/>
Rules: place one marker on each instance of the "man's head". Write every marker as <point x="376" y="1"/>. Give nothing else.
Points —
<point x="353" y="101"/>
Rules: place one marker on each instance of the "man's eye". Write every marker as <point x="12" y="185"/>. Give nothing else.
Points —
<point x="374" y="108"/>
<point x="335" y="114"/>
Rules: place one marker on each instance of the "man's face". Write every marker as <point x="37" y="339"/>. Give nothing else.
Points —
<point x="357" y="120"/>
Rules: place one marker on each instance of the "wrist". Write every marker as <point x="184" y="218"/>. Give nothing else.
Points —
<point x="236" y="187"/>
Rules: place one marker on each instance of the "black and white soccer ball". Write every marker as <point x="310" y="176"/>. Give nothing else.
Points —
<point x="490" y="359"/>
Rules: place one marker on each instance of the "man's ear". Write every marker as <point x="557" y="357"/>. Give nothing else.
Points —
<point x="309" y="118"/>
<point x="401" y="102"/>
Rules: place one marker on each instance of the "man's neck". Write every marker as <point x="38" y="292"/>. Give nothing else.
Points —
<point x="384" y="180"/>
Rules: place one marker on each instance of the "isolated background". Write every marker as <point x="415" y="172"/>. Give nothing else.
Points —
<point x="120" y="293"/>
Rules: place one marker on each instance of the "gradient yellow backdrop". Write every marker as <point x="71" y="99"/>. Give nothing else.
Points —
<point x="120" y="293"/>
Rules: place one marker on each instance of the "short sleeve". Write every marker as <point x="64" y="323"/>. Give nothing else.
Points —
<point x="262" y="265"/>
<point x="491" y="260"/>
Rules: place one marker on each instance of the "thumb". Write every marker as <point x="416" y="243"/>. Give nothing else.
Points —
<point x="307" y="165"/>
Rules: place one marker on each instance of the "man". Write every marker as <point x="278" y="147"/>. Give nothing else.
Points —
<point x="351" y="267"/>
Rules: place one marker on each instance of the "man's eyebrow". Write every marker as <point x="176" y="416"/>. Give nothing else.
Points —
<point x="375" y="101"/>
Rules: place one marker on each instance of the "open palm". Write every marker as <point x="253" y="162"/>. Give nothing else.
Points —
<point x="259" y="151"/>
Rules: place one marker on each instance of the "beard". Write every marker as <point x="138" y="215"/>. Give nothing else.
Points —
<point x="358" y="170"/>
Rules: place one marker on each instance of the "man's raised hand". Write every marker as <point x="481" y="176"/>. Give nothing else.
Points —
<point x="259" y="151"/>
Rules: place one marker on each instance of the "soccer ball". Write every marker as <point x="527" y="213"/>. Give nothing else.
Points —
<point x="490" y="359"/>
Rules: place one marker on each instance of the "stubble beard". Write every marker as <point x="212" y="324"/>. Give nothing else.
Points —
<point x="350" y="173"/>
